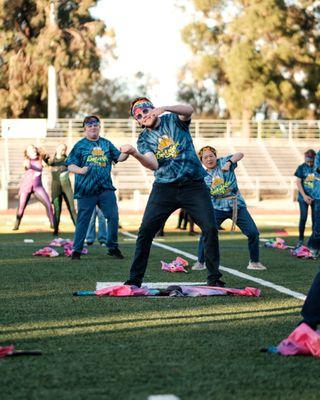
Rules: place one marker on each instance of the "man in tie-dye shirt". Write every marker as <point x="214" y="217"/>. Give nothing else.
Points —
<point x="165" y="146"/>
<point x="314" y="240"/>
<point x="90" y="160"/>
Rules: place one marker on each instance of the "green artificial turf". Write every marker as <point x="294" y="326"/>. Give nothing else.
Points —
<point x="131" y="348"/>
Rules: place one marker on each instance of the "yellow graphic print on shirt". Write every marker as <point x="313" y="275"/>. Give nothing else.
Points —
<point x="167" y="148"/>
<point x="308" y="182"/>
<point x="97" y="157"/>
<point x="219" y="187"/>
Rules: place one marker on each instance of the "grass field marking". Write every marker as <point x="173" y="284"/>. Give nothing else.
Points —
<point x="163" y="397"/>
<point x="231" y="271"/>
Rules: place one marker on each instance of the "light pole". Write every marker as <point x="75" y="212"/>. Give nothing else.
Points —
<point x="52" y="79"/>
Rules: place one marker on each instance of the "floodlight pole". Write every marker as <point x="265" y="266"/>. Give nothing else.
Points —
<point x="52" y="79"/>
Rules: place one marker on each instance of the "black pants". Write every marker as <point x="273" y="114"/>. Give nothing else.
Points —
<point x="304" y="207"/>
<point x="311" y="307"/>
<point x="164" y="199"/>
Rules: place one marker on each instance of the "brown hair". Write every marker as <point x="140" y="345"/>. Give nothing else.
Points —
<point x="89" y="118"/>
<point x="203" y="149"/>
<point x="41" y="153"/>
<point x="138" y="99"/>
<point x="310" y="153"/>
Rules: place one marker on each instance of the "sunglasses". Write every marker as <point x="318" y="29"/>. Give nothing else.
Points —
<point x="143" y="113"/>
<point x="92" y="123"/>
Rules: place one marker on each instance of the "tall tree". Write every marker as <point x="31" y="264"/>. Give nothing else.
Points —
<point x="258" y="53"/>
<point x="111" y="98"/>
<point x="203" y="98"/>
<point x="30" y="42"/>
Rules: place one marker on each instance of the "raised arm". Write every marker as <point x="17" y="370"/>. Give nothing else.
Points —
<point x="148" y="160"/>
<point x="184" y="111"/>
<point x="234" y="159"/>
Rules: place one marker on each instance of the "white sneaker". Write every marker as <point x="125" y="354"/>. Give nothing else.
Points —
<point x="256" y="265"/>
<point x="198" y="266"/>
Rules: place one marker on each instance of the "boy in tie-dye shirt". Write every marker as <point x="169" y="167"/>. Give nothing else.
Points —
<point x="165" y="146"/>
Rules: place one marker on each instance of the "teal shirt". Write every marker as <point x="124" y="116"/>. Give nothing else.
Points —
<point x="316" y="182"/>
<point x="98" y="155"/>
<point x="173" y="147"/>
<point x="306" y="174"/>
<point x="223" y="185"/>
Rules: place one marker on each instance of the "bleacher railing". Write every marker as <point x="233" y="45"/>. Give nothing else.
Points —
<point x="202" y="128"/>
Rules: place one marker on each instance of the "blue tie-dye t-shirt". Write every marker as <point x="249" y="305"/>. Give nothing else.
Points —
<point x="223" y="185"/>
<point x="172" y="145"/>
<point x="306" y="174"/>
<point x="316" y="182"/>
<point x="98" y="156"/>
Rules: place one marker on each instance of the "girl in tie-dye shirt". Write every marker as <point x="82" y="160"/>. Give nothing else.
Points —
<point x="228" y="202"/>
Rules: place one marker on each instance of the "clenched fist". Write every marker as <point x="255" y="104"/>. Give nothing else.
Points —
<point x="128" y="149"/>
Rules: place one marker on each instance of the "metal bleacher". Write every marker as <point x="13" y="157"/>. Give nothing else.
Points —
<point x="272" y="151"/>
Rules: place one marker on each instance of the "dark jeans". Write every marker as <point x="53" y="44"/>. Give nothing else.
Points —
<point x="314" y="240"/>
<point x="311" y="307"/>
<point x="107" y="203"/>
<point x="247" y="226"/>
<point x="304" y="207"/>
<point x="164" y="199"/>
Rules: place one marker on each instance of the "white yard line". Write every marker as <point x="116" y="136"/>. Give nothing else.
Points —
<point x="163" y="397"/>
<point x="231" y="271"/>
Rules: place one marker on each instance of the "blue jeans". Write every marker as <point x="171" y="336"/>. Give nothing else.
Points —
<point x="314" y="240"/>
<point x="164" y="199"/>
<point x="304" y="207"/>
<point x="102" y="228"/>
<point x="247" y="227"/>
<point x="107" y="203"/>
<point x="311" y="307"/>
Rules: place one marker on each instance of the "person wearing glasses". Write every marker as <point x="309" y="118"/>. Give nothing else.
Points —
<point x="165" y="146"/>
<point x="90" y="160"/>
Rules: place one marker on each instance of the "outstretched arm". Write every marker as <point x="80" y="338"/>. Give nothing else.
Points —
<point x="184" y="111"/>
<point x="148" y="160"/>
<point x="234" y="159"/>
<point x="77" y="170"/>
<point x="123" y="157"/>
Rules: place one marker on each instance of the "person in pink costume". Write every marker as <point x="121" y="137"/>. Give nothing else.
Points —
<point x="32" y="183"/>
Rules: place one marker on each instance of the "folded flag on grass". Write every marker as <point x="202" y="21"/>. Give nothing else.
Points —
<point x="176" y="265"/>
<point x="5" y="350"/>
<point x="68" y="250"/>
<point x="302" y="341"/>
<point x="9" y="351"/>
<point x="171" y="291"/>
<point x="302" y="252"/>
<point x="277" y="243"/>
<point x="46" y="252"/>
<point x="59" y="242"/>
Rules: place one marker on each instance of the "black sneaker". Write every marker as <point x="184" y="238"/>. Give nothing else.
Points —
<point x="89" y="243"/>
<point x="76" y="255"/>
<point x="133" y="282"/>
<point x="115" y="253"/>
<point x="216" y="282"/>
